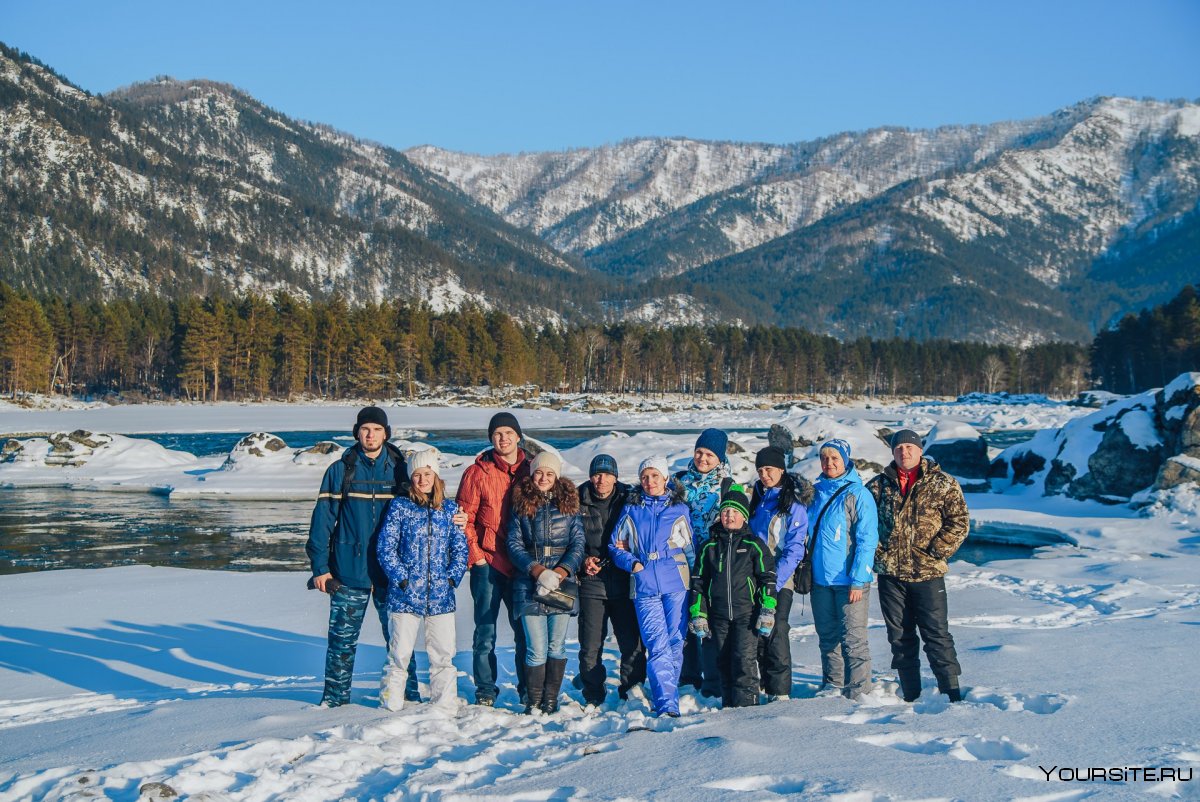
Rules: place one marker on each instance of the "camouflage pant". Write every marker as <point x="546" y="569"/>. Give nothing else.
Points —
<point x="347" y="609"/>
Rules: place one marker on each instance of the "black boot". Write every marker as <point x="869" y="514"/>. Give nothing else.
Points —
<point x="554" y="677"/>
<point x="949" y="686"/>
<point x="535" y="676"/>
<point x="910" y="683"/>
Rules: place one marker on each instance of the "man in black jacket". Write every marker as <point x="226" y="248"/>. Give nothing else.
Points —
<point x="604" y="594"/>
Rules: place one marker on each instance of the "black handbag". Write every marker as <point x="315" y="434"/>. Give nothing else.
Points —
<point x="563" y="597"/>
<point x="802" y="580"/>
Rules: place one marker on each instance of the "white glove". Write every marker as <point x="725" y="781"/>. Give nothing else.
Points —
<point x="550" y="580"/>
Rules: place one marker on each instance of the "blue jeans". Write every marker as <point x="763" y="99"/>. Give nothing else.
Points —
<point x="545" y="637"/>
<point x="347" y="609"/>
<point x="489" y="587"/>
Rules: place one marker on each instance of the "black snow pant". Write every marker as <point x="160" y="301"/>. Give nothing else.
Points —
<point x="909" y="607"/>
<point x="620" y="613"/>
<point x="733" y="648"/>
<point x="775" y="652"/>
<point x="700" y="668"/>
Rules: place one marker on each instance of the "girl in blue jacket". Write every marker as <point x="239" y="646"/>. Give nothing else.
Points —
<point x="545" y="545"/>
<point x="843" y="530"/>
<point x="653" y="541"/>
<point x="424" y="555"/>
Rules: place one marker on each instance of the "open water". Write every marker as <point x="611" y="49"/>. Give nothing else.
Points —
<point x="50" y="528"/>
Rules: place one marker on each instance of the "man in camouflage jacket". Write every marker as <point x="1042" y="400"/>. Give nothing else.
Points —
<point x="923" y="520"/>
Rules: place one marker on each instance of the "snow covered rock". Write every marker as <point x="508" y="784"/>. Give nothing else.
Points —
<point x="321" y="453"/>
<point x="1178" y="470"/>
<point x="1116" y="452"/>
<point x="10" y="450"/>
<point x="959" y="449"/>
<point x="255" y="445"/>
<point x="75" y="448"/>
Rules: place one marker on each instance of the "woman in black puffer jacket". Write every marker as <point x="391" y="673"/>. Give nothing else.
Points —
<point x="545" y="544"/>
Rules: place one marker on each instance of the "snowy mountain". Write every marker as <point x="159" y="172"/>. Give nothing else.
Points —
<point x="1008" y="232"/>
<point x="1015" y="232"/>
<point x="194" y="186"/>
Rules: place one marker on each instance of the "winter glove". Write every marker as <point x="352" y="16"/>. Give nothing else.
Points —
<point x="549" y="580"/>
<point x="766" y="623"/>
<point x="699" y="628"/>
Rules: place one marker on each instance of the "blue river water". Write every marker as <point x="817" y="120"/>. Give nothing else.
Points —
<point x="51" y="528"/>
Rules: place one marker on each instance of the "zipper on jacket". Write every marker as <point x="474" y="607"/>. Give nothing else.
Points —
<point x="428" y="557"/>
<point x="729" y="578"/>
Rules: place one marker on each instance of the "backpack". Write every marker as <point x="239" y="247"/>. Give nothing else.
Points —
<point x="350" y="462"/>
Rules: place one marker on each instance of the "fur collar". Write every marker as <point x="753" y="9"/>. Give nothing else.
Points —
<point x="527" y="499"/>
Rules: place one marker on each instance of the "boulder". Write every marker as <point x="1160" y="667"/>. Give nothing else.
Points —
<point x="1178" y="470"/>
<point x="10" y="450"/>
<point x="959" y="450"/>
<point x="70" y="450"/>
<point x="257" y="445"/>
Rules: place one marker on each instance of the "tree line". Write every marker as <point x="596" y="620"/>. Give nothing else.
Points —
<point x="1151" y="348"/>
<point x="255" y="347"/>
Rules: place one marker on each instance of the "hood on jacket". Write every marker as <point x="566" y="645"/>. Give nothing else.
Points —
<point x="793" y="489"/>
<point x="677" y="494"/>
<point x="527" y="499"/>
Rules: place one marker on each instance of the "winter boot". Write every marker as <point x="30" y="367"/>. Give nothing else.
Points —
<point x="554" y="676"/>
<point x="949" y="686"/>
<point x="536" y="677"/>
<point x="910" y="683"/>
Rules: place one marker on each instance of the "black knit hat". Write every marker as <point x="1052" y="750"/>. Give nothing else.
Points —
<point x="770" y="457"/>
<point x="906" y="436"/>
<point x="503" y="419"/>
<point x="372" y="415"/>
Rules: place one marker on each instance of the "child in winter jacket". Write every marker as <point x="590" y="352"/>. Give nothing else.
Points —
<point x="733" y="598"/>
<point x="425" y="557"/>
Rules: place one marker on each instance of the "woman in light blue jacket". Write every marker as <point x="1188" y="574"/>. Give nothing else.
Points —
<point x="843" y="530"/>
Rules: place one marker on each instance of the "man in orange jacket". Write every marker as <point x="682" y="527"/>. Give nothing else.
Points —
<point x="484" y="494"/>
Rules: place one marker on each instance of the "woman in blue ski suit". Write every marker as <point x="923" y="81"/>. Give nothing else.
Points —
<point x="545" y="544"/>
<point x="653" y="541"/>
<point x="779" y="518"/>
<point x="844" y="531"/>
<point x="424" y="555"/>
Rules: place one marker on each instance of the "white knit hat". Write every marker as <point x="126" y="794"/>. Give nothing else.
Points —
<point x="547" y="460"/>
<point x="657" y="463"/>
<point x="425" y="458"/>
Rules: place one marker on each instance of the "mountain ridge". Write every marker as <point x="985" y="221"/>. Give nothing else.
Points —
<point x="1014" y="232"/>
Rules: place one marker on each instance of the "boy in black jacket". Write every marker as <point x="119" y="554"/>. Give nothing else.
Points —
<point x="733" y="598"/>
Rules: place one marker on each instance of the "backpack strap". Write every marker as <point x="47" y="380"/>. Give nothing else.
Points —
<point x="349" y="462"/>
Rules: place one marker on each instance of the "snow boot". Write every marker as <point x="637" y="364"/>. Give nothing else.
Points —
<point x="555" y="668"/>
<point x="949" y="686"/>
<point x="535" y="676"/>
<point x="910" y="683"/>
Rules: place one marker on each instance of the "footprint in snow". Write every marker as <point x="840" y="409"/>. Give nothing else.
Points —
<point x="964" y="747"/>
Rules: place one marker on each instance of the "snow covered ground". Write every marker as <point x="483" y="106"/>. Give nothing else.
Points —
<point x="1084" y="656"/>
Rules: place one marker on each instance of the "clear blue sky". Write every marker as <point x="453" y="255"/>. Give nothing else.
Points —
<point x="497" y="76"/>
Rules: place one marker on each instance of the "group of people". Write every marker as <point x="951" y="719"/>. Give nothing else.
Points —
<point x="694" y="573"/>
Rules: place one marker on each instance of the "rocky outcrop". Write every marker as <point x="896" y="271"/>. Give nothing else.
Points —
<point x="1131" y="445"/>
<point x="959" y="449"/>
<point x="70" y="450"/>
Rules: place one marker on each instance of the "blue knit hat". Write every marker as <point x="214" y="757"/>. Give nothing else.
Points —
<point x="603" y="463"/>
<point x="715" y="441"/>
<point x="840" y="446"/>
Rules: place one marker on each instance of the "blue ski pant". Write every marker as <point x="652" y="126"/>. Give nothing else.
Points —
<point x="663" y="622"/>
